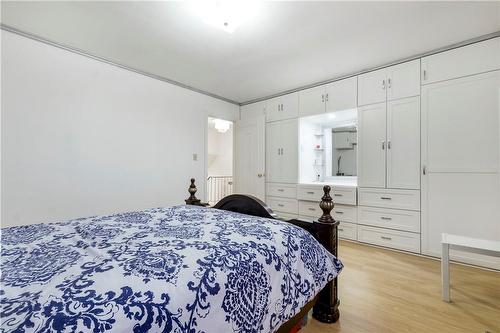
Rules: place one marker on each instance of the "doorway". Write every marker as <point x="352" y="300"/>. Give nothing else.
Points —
<point x="219" y="159"/>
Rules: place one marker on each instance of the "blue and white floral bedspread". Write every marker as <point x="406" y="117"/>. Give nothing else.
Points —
<point x="178" y="269"/>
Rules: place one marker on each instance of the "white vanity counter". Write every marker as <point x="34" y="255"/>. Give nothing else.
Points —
<point x="344" y="181"/>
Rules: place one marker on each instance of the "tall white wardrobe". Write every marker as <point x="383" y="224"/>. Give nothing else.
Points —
<point x="460" y="147"/>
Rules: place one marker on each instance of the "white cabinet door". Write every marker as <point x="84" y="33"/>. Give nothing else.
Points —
<point x="284" y="107"/>
<point x="273" y="109"/>
<point x="290" y="106"/>
<point x="372" y="87"/>
<point x="249" y="157"/>
<point x="403" y="143"/>
<point x="342" y="140"/>
<point x="460" y="120"/>
<point x="312" y="101"/>
<point x="460" y="151"/>
<point x="282" y="151"/>
<point x="253" y="110"/>
<point x="273" y="151"/>
<point x="289" y="139"/>
<point x="371" y="145"/>
<point x="468" y="60"/>
<point x="342" y="95"/>
<point x="403" y="80"/>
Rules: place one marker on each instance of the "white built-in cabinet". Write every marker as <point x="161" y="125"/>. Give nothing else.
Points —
<point x="251" y="111"/>
<point x="389" y="144"/>
<point x="336" y="96"/>
<point x="283" y="107"/>
<point x="460" y="148"/>
<point x="428" y="151"/>
<point x="389" y="83"/>
<point x="282" y="151"/>
<point x="389" y="130"/>
<point x="371" y="145"/>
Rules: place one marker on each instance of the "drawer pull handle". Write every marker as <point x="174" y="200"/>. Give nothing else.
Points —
<point x="385" y="198"/>
<point x="338" y="212"/>
<point x="386" y="218"/>
<point x="310" y="192"/>
<point x="281" y="190"/>
<point x="340" y="229"/>
<point x="281" y="205"/>
<point x="386" y="238"/>
<point x="313" y="209"/>
<point x="337" y="195"/>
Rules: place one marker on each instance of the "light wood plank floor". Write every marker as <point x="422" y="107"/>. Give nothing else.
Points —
<point x="387" y="291"/>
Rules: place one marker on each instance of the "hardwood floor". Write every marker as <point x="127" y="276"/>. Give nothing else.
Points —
<point x="387" y="291"/>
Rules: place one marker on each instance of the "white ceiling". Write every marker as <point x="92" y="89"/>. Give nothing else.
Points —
<point x="285" y="46"/>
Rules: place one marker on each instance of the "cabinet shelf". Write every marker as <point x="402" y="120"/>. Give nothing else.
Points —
<point x="318" y="149"/>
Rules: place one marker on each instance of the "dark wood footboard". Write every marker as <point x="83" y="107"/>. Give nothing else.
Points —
<point x="326" y="308"/>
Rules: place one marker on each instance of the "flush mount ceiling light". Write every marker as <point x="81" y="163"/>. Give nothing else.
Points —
<point x="222" y="126"/>
<point x="226" y="15"/>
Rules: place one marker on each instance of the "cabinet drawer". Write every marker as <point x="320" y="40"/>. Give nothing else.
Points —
<point x="310" y="192"/>
<point x="308" y="218"/>
<point x="389" y="218"/>
<point x="395" y="239"/>
<point x="310" y="208"/>
<point x="281" y="190"/>
<point x="284" y="205"/>
<point x="347" y="230"/>
<point x="345" y="213"/>
<point x="344" y="195"/>
<point x="341" y="194"/>
<point x="386" y="198"/>
<point x="287" y="216"/>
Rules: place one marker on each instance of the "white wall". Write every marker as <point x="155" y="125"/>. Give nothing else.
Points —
<point x="80" y="137"/>
<point x="220" y="152"/>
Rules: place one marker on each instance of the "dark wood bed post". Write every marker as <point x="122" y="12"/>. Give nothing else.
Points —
<point x="193" y="200"/>
<point x="326" y="308"/>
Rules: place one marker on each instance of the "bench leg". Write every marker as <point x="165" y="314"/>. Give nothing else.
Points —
<point x="445" y="272"/>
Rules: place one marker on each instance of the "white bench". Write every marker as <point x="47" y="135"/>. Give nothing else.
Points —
<point x="473" y="245"/>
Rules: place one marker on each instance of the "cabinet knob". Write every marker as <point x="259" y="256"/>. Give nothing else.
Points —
<point x="259" y="175"/>
<point x="383" y="84"/>
<point x="388" y="82"/>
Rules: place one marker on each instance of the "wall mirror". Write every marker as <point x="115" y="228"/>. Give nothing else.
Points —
<point x="328" y="146"/>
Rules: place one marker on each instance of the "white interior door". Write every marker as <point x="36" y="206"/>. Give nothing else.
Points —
<point x="372" y="145"/>
<point x="403" y="143"/>
<point x="249" y="157"/>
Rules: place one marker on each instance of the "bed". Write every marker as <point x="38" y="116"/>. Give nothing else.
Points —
<point x="185" y="268"/>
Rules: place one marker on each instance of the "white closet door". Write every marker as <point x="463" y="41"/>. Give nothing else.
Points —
<point x="460" y="124"/>
<point x="403" y="143"/>
<point x="273" y="151"/>
<point x="372" y="87"/>
<point x="289" y="137"/>
<point x="372" y="145"/>
<point x="312" y="101"/>
<point x="290" y="106"/>
<point x="460" y="151"/>
<point x="403" y="80"/>
<point x="273" y="109"/>
<point x="342" y="95"/>
<point x="253" y="110"/>
<point x="249" y="157"/>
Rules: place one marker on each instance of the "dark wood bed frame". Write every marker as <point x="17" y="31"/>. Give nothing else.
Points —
<point x="326" y="305"/>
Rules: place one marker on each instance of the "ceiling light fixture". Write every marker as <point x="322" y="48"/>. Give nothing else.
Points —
<point x="222" y="126"/>
<point x="226" y="15"/>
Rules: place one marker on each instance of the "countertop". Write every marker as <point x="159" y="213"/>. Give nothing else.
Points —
<point x="340" y="181"/>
